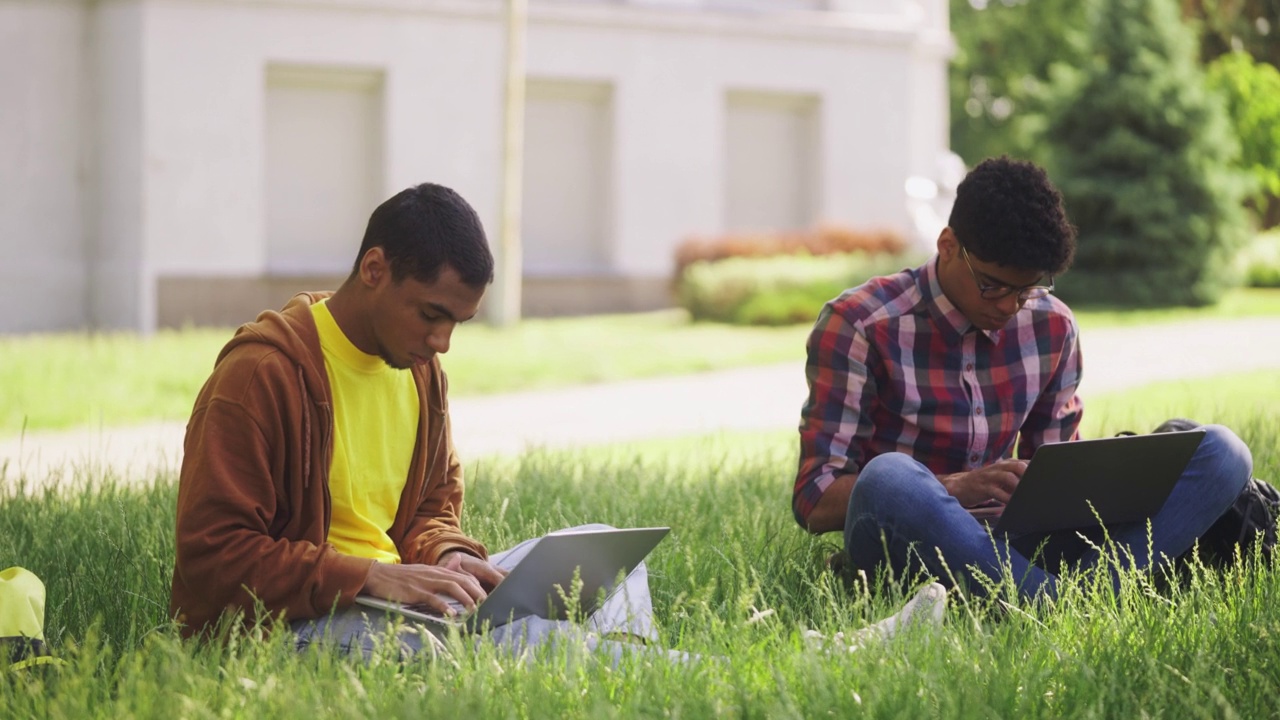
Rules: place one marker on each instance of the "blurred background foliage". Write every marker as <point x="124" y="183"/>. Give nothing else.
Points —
<point x="1006" y="51"/>
<point x="781" y="290"/>
<point x="1159" y="119"/>
<point x="1251" y="89"/>
<point x="1147" y="162"/>
<point x="781" y="278"/>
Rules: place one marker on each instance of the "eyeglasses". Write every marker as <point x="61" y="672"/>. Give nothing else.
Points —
<point x="998" y="291"/>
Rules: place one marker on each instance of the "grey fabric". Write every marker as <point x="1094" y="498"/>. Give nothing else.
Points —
<point x="627" y="613"/>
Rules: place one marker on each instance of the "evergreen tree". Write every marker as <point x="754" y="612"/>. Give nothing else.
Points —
<point x="1000" y="71"/>
<point x="1144" y="158"/>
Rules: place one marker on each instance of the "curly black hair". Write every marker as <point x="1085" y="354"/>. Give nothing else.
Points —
<point x="1008" y="212"/>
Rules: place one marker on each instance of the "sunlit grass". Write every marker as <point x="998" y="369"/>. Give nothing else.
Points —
<point x="70" y="379"/>
<point x="1239" y="303"/>
<point x="1206" y="650"/>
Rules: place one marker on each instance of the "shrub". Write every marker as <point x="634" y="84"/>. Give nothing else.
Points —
<point x="778" y="290"/>
<point x="1252" y="92"/>
<point x="1261" y="261"/>
<point x="826" y="240"/>
<point x="1145" y="159"/>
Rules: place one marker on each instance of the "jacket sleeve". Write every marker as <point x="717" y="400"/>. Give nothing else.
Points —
<point x="232" y="503"/>
<point x="436" y="526"/>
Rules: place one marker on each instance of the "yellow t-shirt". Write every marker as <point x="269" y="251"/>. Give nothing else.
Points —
<point x="375" y="420"/>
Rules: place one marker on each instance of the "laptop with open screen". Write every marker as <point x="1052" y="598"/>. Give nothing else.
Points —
<point x="1121" y="479"/>
<point x="544" y="579"/>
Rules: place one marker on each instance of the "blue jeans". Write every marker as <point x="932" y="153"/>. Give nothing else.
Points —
<point x="901" y="517"/>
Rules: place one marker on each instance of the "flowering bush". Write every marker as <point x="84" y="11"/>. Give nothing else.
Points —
<point x="778" y="290"/>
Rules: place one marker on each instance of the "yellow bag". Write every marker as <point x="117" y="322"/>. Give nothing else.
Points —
<point x="22" y="620"/>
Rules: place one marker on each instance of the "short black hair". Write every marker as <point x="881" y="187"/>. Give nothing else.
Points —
<point x="1008" y="212"/>
<point x="423" y="229"/>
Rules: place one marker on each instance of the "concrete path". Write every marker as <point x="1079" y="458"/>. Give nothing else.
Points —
<point x="758" y="398"/>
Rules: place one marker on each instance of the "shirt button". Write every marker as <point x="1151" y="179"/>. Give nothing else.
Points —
<point x="969" y="367"/>
<point x="977" y="411"/>
<point x="973" y="458"/>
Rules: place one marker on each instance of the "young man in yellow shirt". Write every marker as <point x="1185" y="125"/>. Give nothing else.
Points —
<point x="319" y="463"/>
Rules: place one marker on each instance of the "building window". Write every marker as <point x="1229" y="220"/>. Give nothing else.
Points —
<point x="324" y="166"/>
<point x="771" y="160"/>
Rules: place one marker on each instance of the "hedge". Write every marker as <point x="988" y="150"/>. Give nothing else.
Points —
<point x="778" y="290"/>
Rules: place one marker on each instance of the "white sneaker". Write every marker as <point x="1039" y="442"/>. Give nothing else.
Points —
<point x="926" y="608"/>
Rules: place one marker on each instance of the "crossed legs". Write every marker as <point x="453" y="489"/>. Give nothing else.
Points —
<point x="900" y="516"/>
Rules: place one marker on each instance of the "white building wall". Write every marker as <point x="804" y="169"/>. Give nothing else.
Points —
<point x="119" y="253"/>
<point x="670" y="117"/>
<point x="210" y="64"/>
<point x="867" y="150"/>
<point x="324" y="165"/>
<point x="167" y="161"/>
<point x="566" y="220"/>
<point x="930" y="123"/>
<point x="772" y="169"/>
<point x="43" y="280"/>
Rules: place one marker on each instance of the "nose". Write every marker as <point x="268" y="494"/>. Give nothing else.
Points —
<point x="439" y="337"/>
<point x="1009" y="304"/>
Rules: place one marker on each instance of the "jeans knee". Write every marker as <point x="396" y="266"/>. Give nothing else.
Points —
<point x="1230" y="461"/>
<point x="890" y="479"/>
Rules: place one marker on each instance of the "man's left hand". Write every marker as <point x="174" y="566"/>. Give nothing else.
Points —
<point x="486" y="572"/>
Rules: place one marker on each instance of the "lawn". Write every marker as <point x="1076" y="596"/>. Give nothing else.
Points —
<point x="64" y="380"/>
<point x="1240" y="303"/>
<point x="1207" y="650"/>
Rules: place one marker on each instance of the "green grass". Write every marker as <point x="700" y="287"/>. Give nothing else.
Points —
<point x="564" y="351"/>
<point x="1239" y="303"/>
<point x="66" y="380"/>
<point x="105" y="553"/>
<point x="1252" y="394"/>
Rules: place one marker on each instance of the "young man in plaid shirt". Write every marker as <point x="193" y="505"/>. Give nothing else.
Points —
<point x="930" y="389"/>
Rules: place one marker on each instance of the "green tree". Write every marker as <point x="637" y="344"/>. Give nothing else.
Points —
<point x="1252" y="92"/>
<point x="1144" y="157"/>
<point x="1225" y="26"/>
<point x="1004" y="49"/>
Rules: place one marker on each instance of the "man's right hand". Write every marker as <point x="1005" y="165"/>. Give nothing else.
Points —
<point x="427" y="585"/>
<point x="993" y="482"/>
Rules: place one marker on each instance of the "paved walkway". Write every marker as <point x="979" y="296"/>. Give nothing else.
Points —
<point x="757" y="398"/>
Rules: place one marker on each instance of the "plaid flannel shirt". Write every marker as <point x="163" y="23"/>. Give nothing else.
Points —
<point x="894" y="366"/>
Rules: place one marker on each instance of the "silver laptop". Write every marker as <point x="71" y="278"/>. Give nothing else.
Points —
<point x="1123" y="479"/>
<point x="543" y="582"/>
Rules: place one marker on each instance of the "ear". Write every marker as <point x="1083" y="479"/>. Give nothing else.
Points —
<point x="374" y="269"/>
<point x="948" y="244"/>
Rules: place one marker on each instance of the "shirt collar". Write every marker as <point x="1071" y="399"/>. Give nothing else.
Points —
<point x="944" y="312"/>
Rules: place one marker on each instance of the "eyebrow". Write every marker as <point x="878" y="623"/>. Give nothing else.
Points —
<point x="442" y="310"/>
<point x="447" y="313"/>
<point x="997" y="282"/>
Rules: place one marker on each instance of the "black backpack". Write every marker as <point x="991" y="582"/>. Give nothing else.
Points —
<point x="1250" y="519"/>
